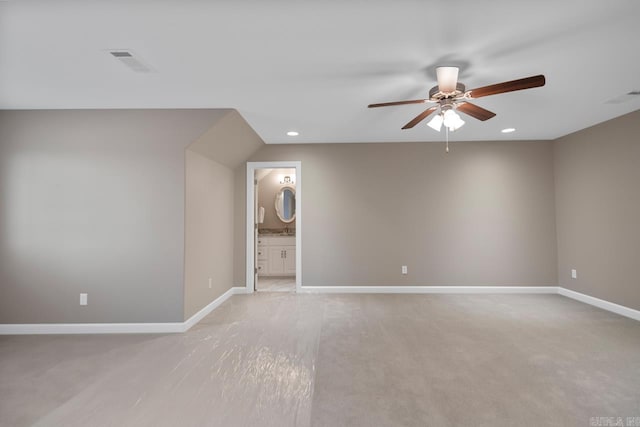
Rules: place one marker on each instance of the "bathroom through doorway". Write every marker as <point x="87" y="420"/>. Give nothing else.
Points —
<point x="273" y="226"/>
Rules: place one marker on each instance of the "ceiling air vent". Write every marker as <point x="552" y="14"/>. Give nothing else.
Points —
<point x="132" y="61"/>
<point x="624" y="98"/>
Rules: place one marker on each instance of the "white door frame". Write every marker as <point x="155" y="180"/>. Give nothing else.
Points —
<point x="251" y="262"/>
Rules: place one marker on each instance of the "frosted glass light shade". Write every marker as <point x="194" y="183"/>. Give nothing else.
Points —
<point x="449" y="118"/>
<point x="447" y="78"/>
<point x="452" y="120"/>
<point x="436" y="123"/>
<point x="457" y="124"/>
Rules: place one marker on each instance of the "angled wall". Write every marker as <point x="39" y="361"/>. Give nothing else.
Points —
<point x="597" y="183"/>
<point x="210" y="208"/>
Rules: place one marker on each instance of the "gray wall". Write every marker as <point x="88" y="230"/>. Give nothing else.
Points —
<point x="93" y="201"/>
<point x="597" y="173"/>
<point x="208" y="232"/>
<point x="482" y="215"/>
<point x="215" y="170"/>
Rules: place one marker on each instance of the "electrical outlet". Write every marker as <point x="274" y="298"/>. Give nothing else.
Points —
<point x="83" y="299"/>
<point x="210" y="280"/>
<point x="574" y="274"/>
<point x="404" y="269"/>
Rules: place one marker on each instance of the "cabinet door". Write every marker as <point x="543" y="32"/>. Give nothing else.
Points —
<point x="262" y="268"/>
<point x="276" y="260"/>
<point x="290" y="261"/>
<point x="262" y="253"/>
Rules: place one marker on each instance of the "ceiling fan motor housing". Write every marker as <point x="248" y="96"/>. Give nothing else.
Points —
<point x="446" y="104"/>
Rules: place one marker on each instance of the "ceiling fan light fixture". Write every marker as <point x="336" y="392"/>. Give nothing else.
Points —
<point x="447" y="79"/>
<point x="457" y="124"/>
<point x="436" y="122"/>
<point x="452" y="120"/>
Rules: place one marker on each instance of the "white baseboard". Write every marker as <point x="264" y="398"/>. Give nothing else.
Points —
<point x="117" y="328"/>
<point x="431" y="289"/>
<point x="177" y="327"/>
<point x="210" y="307"/>
<point x="605" y="305"/>
<point x="600" y="303"/>
<point x="90" y="328"/>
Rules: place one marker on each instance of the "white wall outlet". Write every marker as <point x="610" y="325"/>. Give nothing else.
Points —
<point x="83" y="299"/>
<point x="210" y="281"/>
<point x="404" y="269"/>
<point x="574" y="274"/>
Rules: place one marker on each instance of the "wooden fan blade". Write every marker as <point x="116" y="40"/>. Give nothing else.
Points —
<point x="474" y="111"/>
<point x="511" y="86"/>
<point x="389" y="104"/>
<point x="420" y="117"/>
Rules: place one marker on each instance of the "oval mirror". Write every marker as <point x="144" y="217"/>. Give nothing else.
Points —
<point x="286" y="204"/>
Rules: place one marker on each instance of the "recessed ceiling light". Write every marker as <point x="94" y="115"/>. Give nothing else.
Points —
<point x="508" y="130"/>
<point x="292" y="133"/>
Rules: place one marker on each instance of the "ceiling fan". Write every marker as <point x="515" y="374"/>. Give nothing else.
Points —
<point x="450" y="95"/>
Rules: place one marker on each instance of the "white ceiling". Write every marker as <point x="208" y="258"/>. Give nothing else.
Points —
<point x="313" y="66"/>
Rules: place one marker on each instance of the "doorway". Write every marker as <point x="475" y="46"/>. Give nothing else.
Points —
<point x="274" y="226"/>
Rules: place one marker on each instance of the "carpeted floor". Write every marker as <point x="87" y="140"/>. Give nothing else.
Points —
<point x="281" y="359"/>
<point x="276" y="284"/>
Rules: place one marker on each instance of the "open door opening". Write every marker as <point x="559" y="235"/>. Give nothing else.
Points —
<point x="273" y="226"/>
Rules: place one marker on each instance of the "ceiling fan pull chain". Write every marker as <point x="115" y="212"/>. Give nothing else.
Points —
<point x="447" y="144"/>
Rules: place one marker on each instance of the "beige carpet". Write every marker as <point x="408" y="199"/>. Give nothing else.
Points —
<point x="276" y="284"/>
<point x="281" y="359"/>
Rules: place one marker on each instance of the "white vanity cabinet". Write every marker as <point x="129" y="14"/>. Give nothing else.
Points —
<point x="262" y="256"/>
<point x="277" y="256"/>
